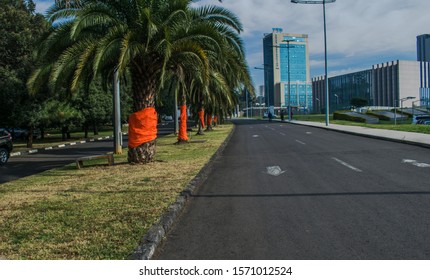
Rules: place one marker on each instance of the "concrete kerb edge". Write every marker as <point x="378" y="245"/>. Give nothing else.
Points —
<point x="33" y="151"/>
<point x="424" y="145"/>
<point x="150" y="241"/>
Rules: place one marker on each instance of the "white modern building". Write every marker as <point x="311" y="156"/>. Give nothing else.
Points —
<point x="387" y="85"/>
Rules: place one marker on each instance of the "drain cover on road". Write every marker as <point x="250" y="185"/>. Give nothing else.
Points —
<point x="274" y="170"/>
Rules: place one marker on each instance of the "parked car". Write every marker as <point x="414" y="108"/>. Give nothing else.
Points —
<point x="168" y="118"/>
<point x="22" y="133"/>
<point x="18" y="133"/>
<point x="420" y="119"/>
<point x="6" y="145"/>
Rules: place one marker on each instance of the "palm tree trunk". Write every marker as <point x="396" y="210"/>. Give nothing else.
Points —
<point x="201" y="122"/>
<point x="144" y="89"/>
<point x="182" y="135"/>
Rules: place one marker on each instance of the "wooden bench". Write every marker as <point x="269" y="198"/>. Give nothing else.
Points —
<point x="80" y="161"/>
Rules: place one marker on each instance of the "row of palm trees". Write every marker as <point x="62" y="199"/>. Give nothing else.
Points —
<point x="155" y="44"/>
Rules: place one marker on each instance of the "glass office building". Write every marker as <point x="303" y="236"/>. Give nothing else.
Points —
<point x="286" y="64"/>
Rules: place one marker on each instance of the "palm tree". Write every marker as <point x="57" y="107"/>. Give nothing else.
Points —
<point x="146" y="39"/>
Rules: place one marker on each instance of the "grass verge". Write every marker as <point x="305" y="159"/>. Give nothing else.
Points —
<point x="97" y="212"/>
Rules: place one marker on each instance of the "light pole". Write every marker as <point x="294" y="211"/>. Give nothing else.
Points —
<point x="401" y="103"/>
<point x="117" y="114"/>
<point x="323" y="2"/>
<point x="266" y="91"/>
<point x="413" y="106"/>
<point x="337" y="100"/>
<point x="319" y="104"/>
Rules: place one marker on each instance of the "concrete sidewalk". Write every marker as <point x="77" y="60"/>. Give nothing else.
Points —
<point x="420" y="139"/>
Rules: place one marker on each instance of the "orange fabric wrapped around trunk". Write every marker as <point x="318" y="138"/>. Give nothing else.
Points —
<point x="216" y="119"/>
<point x="142" y="127"/>
<point x="209" y="120"/>
<point x="202" y="118"/>
<point x="182" y="135"/>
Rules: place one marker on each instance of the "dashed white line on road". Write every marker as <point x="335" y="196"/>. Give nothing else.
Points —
<point x="298" y="141"/>
<point x="416" y="163"/>
<point x="282" y="133"/>
<point x="347" y="165"/>
<point x="255" y="136"/>
<point x="308" y="133"/>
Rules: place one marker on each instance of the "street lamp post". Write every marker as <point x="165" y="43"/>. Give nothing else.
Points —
<point x="401" y="103"/>
<point x="117" y="115"/>
<point x="266" y="91"/>
<point x="319" y="104"/>
<point x="323" y="2"/>
<point x="401" y="107"/>
<point x="337" y="100"/>
<point x="413" y="106"/>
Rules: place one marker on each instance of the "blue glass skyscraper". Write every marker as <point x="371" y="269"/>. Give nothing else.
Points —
<point x="286" y="63"/>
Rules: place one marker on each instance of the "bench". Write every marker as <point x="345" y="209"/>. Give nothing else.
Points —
<point x="80" y="161"/>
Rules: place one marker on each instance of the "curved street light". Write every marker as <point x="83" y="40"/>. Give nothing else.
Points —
<point x="323" y="2"/>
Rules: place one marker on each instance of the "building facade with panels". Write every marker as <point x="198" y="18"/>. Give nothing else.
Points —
<point x="423" y="55"/>
<point x="382" y="85"/>
<point x="286" y="62"/>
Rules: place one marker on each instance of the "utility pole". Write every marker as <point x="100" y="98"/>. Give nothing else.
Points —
<point x="117" y="115"/>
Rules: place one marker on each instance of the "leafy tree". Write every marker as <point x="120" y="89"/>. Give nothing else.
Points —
<point x="20" y="30"/>
<point x="147" y="39"/>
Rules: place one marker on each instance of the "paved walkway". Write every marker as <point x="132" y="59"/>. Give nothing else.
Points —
<point x="393" y="135"/>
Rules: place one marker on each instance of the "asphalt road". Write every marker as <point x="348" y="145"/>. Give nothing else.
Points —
<point x="336" y="196"/>
<point x="26" y="165"/>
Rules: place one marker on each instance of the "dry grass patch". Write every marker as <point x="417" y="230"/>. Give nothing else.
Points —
<point x="97" y="212"/>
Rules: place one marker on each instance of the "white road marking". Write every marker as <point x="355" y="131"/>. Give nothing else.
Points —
<point x="347" y="165"/>
<point x="416" y="163"/>
<point x="282" y="133"/>
<point x="308" y="132"/>
<point x="298" y="141"/>
<point x="274" y="170"/>
<point x="255" y="136"/>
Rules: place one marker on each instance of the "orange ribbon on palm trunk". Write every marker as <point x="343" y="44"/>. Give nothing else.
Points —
<point x="202" y="118"/>
<point x="142" y="127"/>
<point x="182" y="135"/>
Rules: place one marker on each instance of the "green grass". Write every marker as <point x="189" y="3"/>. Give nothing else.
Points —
<point x="401" y="125"/>
<point x="98" y="212"/>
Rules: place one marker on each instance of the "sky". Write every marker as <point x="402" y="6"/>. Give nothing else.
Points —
<point x="360" y="33"/>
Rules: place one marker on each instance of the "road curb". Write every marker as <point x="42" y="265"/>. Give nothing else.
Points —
<point x="33" y="151"/>
<point x="150" y="241"/>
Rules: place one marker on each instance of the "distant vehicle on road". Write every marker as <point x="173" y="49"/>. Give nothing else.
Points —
<point x="420" y="119"/>
<point x="22" y="133"/>
<point x="168" y="118"/>
<point x="6" y="145"/>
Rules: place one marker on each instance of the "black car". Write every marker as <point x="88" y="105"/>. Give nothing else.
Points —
<point x="6" y="145"/>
